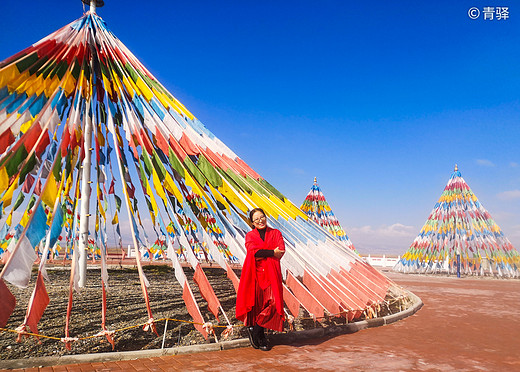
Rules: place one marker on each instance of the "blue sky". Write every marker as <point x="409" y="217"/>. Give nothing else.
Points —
<point x="377" y="99"/>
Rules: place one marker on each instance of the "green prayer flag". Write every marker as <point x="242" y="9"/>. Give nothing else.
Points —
<point x="27" y="62"/>
<point x="175" y="163"/>
<point x="118" y="202"/>
<point x="12" y="164"/>
<point x="29" y="166"/>
<point x="207" y="169"/>
<point x="272" y="189"/>
<point x="238" y="180"/>
<point x="194" y="171"/>
<point x="19" y="200"/>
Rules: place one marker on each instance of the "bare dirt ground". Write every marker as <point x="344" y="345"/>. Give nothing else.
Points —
<point x="125" y="307"/>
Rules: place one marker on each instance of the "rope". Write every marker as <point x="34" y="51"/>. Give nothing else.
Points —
<point x="29" y="334"/>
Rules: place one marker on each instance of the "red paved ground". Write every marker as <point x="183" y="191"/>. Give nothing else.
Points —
<point x="465" y="325"/>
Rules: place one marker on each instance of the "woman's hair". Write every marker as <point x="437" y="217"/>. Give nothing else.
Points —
<point x="253" y="211"/>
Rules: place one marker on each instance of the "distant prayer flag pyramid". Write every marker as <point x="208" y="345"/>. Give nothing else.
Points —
<point x="318" y="209"/>
<point x="459" y="225"/>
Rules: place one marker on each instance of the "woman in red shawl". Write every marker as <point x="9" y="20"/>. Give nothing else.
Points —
<point x="260" y="293"/>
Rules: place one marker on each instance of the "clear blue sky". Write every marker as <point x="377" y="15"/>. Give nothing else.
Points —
<point x="377" y="99"/>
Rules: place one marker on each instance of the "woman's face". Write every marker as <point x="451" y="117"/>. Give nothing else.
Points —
<point x="259" y="220"/>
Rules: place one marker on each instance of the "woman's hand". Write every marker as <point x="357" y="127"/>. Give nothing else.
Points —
<point x="278" y="253"/>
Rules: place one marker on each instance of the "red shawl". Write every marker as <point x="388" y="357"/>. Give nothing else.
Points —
<point x="271" y="265"/>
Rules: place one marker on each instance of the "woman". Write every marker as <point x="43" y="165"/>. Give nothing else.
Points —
<point x="260" y="293"/>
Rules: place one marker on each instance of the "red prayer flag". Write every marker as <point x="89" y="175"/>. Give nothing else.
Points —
<point x="307" y="299"/>
<point x="6" y="139"/>
<point x="206" y="290"/>
<point x="38" y="188"/>
<point x="161" y="143"/>
<point x="193" y="309"/>
<point x="7" y="304"/>
<point x="291" y="301"/>
<point x="326" y="298"/>
<point x="112" y="185"/>
<point x="188" y="145"/>
<point x="37" y="304"/>
<point x="232" y="276"/>
<point x="28" y="184"/>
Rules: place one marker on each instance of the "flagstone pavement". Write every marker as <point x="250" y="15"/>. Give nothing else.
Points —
<point x="465" y="324"/>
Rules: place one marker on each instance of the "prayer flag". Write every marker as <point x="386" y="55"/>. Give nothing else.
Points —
<point x="37" y="304"/>
<point x="36" y="230"/>
<point x="206" y="290"/>
<point x="56" y="227"/>
<point x="193" y="309"/>
<point x="115" y="220"/>
<point x="7" y="304"/>
<point x="19" y="270"/>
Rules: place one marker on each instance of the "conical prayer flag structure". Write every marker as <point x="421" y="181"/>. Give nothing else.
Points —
<point x="460" y="236"/>
<point x="91" y="142"/>
<point x="317" y="209"/>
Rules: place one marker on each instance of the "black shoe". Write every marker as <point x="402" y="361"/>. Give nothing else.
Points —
<point x="263" y="344"/>
<point x="252" y="337"/>
<point x="262" y="340"/>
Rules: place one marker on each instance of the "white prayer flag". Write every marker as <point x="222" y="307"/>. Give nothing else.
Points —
<point x="19" y="270"/>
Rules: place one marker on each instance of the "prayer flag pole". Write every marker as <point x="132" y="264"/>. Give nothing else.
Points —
<point x="85" y="181"/>
<point x="85" y="202"/>
<point x="94" y="4"/>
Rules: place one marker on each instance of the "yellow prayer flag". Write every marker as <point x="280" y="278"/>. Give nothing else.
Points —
<point x="182" y="108"/>
<point x="152" y="202"/>
<point x="100" y="137"/>
<point x="274" y="199"/>
<point x="25" y="219"/>
<point x="106" y="84"/>
<point x="189" y="181"/>
<point x="218" y="197"/>
<point x="149" y="192"/>
<point x="129" y="86"/>
<point x="115" y="220"/>
<point x="161" y="97"/>
<point x="102" y="211"/>
<point x="34" y="85"/>
<point x="9" y="220"/>
<point x="259" y="202"/>
<point x="20" y="79"/>
<point x="158" y="186"/>
<point x="295" y="209"/>
<point x="8" y="74"/>
<point x="172" y="188"/>
<point x="4" y="180"/>
<point x="51" y="85"/>
<point x="228" y="192"/>
<point x="69" y="85"/>
<point x="145" y="90"/>
<point x="68" y="185"/>
<point x="25" y="126"/>
<point x="50" y="192"/>
<point x="8" y="196"/>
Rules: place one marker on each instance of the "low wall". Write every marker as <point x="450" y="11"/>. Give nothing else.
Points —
<point x="382" y="261"/>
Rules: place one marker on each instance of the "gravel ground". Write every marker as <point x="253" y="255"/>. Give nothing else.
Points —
<point x="125" y="308"/>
